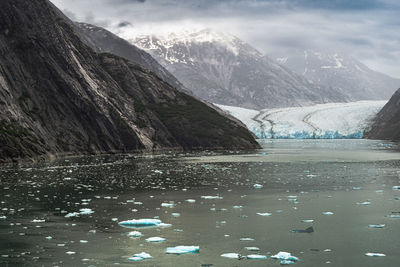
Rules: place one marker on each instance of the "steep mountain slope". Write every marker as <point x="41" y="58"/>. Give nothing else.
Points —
<point x="103" y="41"/>
<point x="222" y="69"/>
<point x="387" y="122"/>
<point x="342" y="72"/>
<point x="58" y="96"/>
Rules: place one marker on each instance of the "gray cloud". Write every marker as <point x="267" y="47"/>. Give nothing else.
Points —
<point x="366" y="29"/>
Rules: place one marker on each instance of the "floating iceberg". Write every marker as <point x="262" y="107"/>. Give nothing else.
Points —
<point x="308" y="230"/>
<point x="258" y="186"/>
<point x="211" y="197"/>
<point x="140" y="223"/>
<point x="376" y="225"/>
<point x="257" y="257"/>
<point x="175" y="214"/>
<point x="156" y="239"/>
<point x="252" y="248"/>
<point x="393" y="216"/>
<point x="264" y="214"/>
<point x="182" y="249"/>
<point x="38" y="221"/>
<point x="72" y="214"/>
<point x="396" y="187"/>
<point x="373" y="254"/>
<point x="167" y="205"/>
<point x="327" y="213"/>
<point x="86" y="211"/>
<point x="135" y="234"/>
<point x="231" y="255"/>
<point x="364" y="203"/>
<point x="140" y="256"/>
<point x="307" y="221"/>
<point x="190" y="200"/>
<point x="246" y="239"/>
<point x="285" y="257"/>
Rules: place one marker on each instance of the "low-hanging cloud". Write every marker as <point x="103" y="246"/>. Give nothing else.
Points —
<point x="365" y="29"/>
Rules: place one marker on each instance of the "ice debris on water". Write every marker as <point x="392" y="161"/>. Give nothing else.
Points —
<point x="86" y="211"/>
<point x="155" y="239"/>
<point x="364" y="203"/>
<point x="38" y="221"/>
<point x="396" y="187"/>
<point x="264" y="214"/>
<point x="141" y="223"/>
<point x="182" y="249"/>
<point x="308" y="230"/>
<point x="376" y="225"/>
<point x="211" y="197"/>
<point x="135" y="234"/>
<point x="190" y="200"/>
<point x="140" y="256"/>
<point x="394" y="216"/>
<point x="167" y="205"/>
<point x="257" y="257"/>
<point x="307" y="221"/>
<point x="285" y="258"/>
<point x="246" y="239"/>
<point x="327" y="213"/>
<point x="231" y="255"/>
<point x="252" y="248"/>
<point x="175" y="214"/>
<point x="258" y="186"/>
<point x="373" y="254"/>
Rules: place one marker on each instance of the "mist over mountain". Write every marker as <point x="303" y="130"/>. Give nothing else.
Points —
<point x="58" y="96"/>
<point x="223" y="69"/>
<point x="342" y="72"/>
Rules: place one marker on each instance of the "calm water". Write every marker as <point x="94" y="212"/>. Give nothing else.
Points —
<point x="301" y="179"/>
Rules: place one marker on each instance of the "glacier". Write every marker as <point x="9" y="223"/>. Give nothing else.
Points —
<point x="322" y="121"/>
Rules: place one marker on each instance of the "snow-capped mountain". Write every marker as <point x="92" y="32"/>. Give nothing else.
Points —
<point x="223" y="69"/>
<point x="341" y="72"/>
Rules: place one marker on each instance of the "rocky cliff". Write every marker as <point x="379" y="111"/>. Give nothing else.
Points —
<point x="387" y="123"/>
<point x="59" y="96"/>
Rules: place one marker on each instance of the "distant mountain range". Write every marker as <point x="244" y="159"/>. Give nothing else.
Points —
<point x="341" y="72"/>
<point x="223" y="69"/>
<point x="58" y="96"/>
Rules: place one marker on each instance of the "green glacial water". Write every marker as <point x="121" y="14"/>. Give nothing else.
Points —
<point x="211" y="201"/>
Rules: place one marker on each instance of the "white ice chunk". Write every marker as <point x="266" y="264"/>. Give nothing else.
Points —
<point x="285" y="256"/>
<point x="327" y="213"/>
<point x="143" y="255"/>
<point x="155" y="239"/>
<point x="364" y="203"/>
<point x="257" y="257"/>
<point x="264" y="214"/>
<point x="307" y="221"/>
<point x="231" y="255"/>
<point x="140" y="223"/>
<point x="182" y="249"/>
<point x="168" y="205"/>
<point x="376" y="225"/>
<point x="246" y="239"/>
<point x="252" y="248"/>
<point x="135" y="234"/>
<point x="373" y="254"/>
<point x="211" y="197"/>
<point x="72" y="214"/>
<point x="258" y="186"/>
<point x="86" y="211"/>
<point x="190" y="200"/>
<point x="38" y="221"/>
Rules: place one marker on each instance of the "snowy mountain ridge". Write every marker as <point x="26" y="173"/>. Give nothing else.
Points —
<point x="221" y="68"/>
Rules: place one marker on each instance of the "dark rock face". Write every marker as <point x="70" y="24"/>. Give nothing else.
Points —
<point x="223" y="69"/>
<point x="103" y="41"/>
<point x="58" y="96"/>
<point x="387" y="123"/>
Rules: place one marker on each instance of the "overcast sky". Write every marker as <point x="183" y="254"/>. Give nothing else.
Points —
<point x="369" y="30"/>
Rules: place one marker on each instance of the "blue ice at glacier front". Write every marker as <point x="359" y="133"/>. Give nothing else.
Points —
<point x="262" y="134"/>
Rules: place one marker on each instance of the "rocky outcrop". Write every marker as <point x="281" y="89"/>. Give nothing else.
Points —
<point x="386" y="125"/>
<point x="58" y="96"/>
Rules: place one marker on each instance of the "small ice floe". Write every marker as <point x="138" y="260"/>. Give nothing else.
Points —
<point x="395" y="216"/>
<point x="3" y="217"/>
<point x="237" y="207"/>
<point x="376" y="225"/>
<point x="38" y="221"/>
<point x="252" y="248"/>
<point x="286" y="258"/>
<point x="264" y="214"/>
<point x="190" y="200"/>
<point x="72" y="214"/>
<point x="175" y="214"/>
<point x="258" y="186"/>
<point x="327" y="213"/>
<point x="167" y="205"/>
<point x="182" y="250"/>
<point x="232" y="256"/>
<point x="70" y="252"/>
<point x="378" y="191"/>
<point x="308" y="230"/>
<point x="155" y="239"/>
<point x="140" y="223"/>
<point x="114" y="219"/>
<point x="140" y="256"/>
<point x="356" y="188"/>
<point x="364" y="203"/>
<point x="135" y="234"/>
<point x="158" y="171"/>
<point x="373" y="254"/>
<point x="257" y="257"/>
<point x="86" y="211"/>
<point x="246" y="239"/>
<point x="49" y="237"/>
<point x="211" y="197"/>
<point x="396" y="187"/>
<point x="83" y="241"/>
<point x="307" y="221"/>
